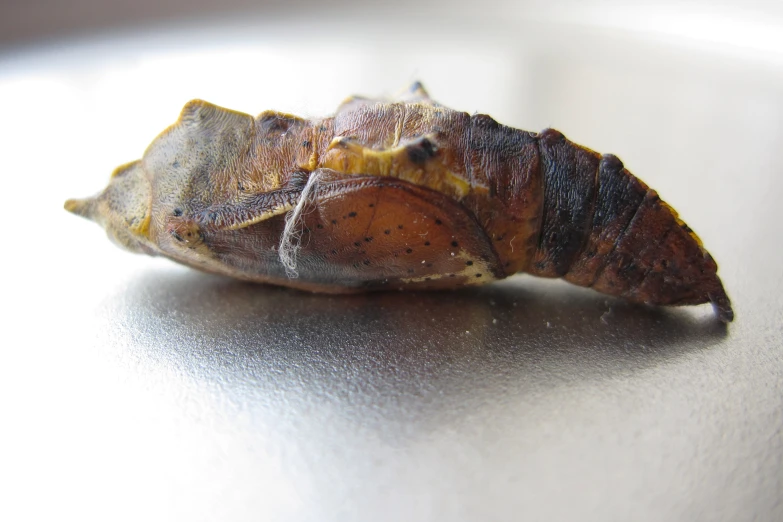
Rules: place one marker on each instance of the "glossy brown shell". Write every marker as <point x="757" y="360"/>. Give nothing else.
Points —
<point x="409" y="194"/>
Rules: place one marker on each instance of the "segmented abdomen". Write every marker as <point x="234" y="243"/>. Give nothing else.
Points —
<point x="550" y="207"/>
<point x="601" y="227"/>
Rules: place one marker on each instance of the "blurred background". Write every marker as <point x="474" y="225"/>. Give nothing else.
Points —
<point x="131" y="388"/>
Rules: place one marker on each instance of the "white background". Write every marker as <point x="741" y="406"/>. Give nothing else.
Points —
<point x="133" y="389"/>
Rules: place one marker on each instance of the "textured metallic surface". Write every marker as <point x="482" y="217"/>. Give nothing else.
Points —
<point x="133" y="389"/>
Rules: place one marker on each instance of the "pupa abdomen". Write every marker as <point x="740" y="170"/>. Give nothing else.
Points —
<point x="405" y="194"/>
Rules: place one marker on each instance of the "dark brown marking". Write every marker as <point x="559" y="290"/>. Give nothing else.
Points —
<point x="421" y="151"/>
<point x="570" y="174"/>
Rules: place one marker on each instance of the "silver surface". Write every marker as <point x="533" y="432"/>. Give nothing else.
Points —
<point x="134" y="389"/>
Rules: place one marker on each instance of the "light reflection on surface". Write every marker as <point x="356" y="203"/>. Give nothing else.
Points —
<point x="136" y="389"/>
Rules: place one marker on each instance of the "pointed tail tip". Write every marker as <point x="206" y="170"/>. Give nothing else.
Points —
<point x="721" y="304"/>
